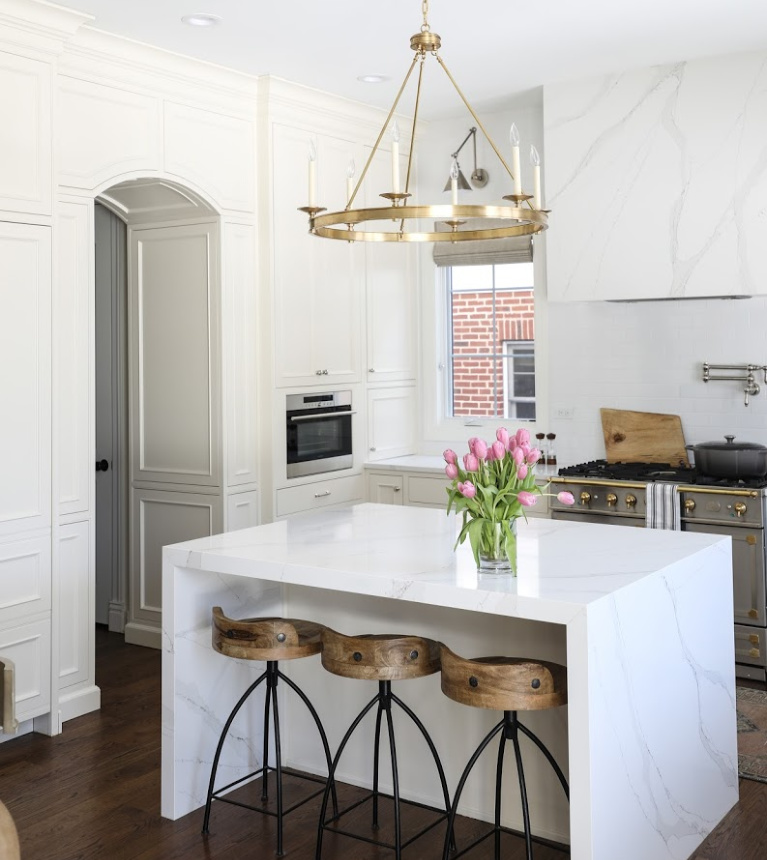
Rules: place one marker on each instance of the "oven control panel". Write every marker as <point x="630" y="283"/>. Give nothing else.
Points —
<point x="734" y="509"/>
<point x="608" y="499"/>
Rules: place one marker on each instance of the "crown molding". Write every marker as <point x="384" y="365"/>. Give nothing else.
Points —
<point x="36" y="26"/>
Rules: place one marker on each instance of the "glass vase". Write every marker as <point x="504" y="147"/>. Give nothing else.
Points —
<point x="498" y="548"/>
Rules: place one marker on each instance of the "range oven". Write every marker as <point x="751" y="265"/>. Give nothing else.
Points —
<point x="318" y="432"/>
<point x="616" y="494"/>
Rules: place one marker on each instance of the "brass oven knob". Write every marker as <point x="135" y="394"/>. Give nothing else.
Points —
<point x="612" y="500"/>
<point x="689" y="505"/>
<point x="631" y="500"/>
<point x="740" y="508"/>
<point x="585" y="498"/>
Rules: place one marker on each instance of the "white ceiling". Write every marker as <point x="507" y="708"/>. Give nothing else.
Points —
<point x="494" y="48"/>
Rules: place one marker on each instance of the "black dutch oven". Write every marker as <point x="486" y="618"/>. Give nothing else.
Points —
<point x="730" y="459"/>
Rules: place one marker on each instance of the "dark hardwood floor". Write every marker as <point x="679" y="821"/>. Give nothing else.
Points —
<point x="93" y="793"/>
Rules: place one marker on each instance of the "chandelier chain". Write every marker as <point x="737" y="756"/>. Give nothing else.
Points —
<point x="425" y="10"/>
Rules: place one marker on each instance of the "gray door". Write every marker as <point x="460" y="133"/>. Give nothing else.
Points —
<point x="110" y="235"/>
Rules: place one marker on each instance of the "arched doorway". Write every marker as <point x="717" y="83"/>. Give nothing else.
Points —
<point x="157" y="356"/>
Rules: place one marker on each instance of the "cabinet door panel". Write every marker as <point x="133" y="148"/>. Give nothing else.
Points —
<point x="73" y="305"/>
<point x="75" y="604"/>
<point x="391" y="422"/>
<point x="174" y="322"/>
<point x="25" y="135"/>
<point x="317" y="282"/>
<point x="25" y="377"/>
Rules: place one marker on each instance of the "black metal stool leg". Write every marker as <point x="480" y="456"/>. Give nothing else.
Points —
<point x="394" y="772"/>
<point x="323" y="737"/>
<point x="434" y="754"/>
<point x="511" y="723"/>
<point x="376" y="753"/>
<point x="217" y="756"/>
<point x="278" y="763"/>
<point x="332" y="773"/>
<point x="449" y="838"/>
<point x="549" y="757"/>
<point x="499" y="794"/>
<point x="267" y="713"/>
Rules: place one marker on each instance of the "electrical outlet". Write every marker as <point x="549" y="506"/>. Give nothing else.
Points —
<point x="565" y="413"/>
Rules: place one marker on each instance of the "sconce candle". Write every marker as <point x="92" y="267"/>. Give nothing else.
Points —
<point x="395" y="157"/>
<point x="454" y="183"/>
<point x="535" y="160"/>
<point x="515" y="168"/>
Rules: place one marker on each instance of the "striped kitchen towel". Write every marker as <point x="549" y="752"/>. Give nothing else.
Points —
<point x="663" y="506"/>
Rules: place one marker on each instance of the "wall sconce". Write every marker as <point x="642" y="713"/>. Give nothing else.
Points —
<point x="479" y="176"/>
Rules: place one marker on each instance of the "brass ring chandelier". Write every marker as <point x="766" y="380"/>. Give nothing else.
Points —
<point x="524" y="218"/>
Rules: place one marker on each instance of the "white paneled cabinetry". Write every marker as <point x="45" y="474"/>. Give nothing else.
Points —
<point x="317" y="283"/>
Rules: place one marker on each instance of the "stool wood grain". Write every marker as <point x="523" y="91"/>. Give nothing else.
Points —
<point x="265" y="638"/>
<point x="503" y="683"/>
<point x="379" y="657"/>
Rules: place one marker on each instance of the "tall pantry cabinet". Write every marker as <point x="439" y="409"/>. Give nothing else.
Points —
<point x="84" y="112"/>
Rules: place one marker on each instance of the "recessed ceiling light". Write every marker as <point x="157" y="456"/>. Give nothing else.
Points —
<point x="373" y="79"/>
<point x="201" y="19"/>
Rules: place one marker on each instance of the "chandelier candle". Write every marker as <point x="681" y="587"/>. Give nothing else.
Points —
<point x="350" y="171"/>
<point x="515" y="168"/>
<point x="395" y="157"/>
<point x="312" y="174"/>
<point x="535" y="160"/>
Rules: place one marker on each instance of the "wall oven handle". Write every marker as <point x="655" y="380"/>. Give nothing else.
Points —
<point x="322" y="415"/>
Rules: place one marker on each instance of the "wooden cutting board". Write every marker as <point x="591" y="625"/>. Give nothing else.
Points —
<point x="643" y="437"/>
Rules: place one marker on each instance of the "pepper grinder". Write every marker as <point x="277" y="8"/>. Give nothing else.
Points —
<point x="542" y="458"/>
<point x="551" y="454"/>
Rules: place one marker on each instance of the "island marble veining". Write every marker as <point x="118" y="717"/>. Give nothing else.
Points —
<point x="657" y="178"/>
<point x="641" y="617"/>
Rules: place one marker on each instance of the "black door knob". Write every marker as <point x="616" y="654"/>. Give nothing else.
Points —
<point x="102" y="465"/>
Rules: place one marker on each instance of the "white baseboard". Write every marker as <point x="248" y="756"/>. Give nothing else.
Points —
<point x="143" y="634"/>
<point x="78" y="703"/>
<point x="116" y="620"/>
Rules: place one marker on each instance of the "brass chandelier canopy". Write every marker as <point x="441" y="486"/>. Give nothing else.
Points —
<point x="523" y="216"/>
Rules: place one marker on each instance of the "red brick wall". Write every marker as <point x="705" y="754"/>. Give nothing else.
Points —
<point x="473" y="332"/>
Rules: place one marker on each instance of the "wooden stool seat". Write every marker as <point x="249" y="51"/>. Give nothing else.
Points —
<point x="265" y="638"/>
<point x="379" y="657"/>
<point x="503" y="683"/>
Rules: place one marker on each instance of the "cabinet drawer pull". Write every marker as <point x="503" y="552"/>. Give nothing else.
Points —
<point x="394" y="487"/>
<point x="372" y="370"/>
<point x="322" y="495"/>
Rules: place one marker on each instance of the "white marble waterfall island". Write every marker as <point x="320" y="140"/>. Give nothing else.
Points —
<point x="642" y="618"/>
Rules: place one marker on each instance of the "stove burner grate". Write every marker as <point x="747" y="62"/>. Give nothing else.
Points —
<point x="648" y="472"/>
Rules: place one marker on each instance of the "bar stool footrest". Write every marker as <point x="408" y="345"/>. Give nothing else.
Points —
<point x="307" y="777"/>
<point x="441" y="816"/>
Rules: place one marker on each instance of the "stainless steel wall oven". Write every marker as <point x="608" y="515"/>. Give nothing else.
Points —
<point x="318" y="432"/>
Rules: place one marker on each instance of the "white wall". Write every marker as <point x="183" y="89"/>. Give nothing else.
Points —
<point x="648" y="356"/>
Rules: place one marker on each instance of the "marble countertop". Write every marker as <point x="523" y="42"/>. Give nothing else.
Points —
<point x="407" y="554"/>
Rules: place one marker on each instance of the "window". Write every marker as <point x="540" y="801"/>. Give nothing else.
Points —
<point x="490" y="341"/>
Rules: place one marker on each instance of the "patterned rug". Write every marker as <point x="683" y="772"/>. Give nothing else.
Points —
<point x="752" y="733"/>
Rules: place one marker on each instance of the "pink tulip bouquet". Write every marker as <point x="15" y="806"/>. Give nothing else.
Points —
<point x="492" y="490"/>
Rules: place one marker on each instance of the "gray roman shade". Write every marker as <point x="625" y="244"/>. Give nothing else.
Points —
<point x="482" y="252"/>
